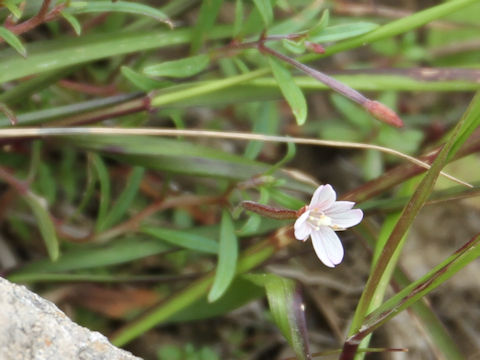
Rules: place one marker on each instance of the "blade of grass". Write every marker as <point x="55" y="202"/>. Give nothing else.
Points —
<point x="184" y="239"/>
<point x="118" y="6"/>
<point x="104" y="180"/>
<point x="227" y="258"/>
<point x="287" y="310"/>
<point x="120" y="207"/>
<point x="86" y="256"/>
<point x="45" y="224"/>
<point x="57" y="54"/>
<point x="13" y="40"/>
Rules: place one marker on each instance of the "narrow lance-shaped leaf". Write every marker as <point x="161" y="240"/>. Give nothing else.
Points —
<point x="265" y="9"/>
<point x="206" y="19"/>
<point x="184" y="239"/>
<point x="87" y="256"/>
<point x="120" y="207"/>
<point x="288" y="313"/>
<point x="13" y="8"/>
<point x="301" y="20"/>
<point x="179" y="68"/>
<point x="342" y="31"/>
<point x="472" y="116"/>
<point x="290" y="90"/>
<point x="45" y="224"/>
<point x="104" y="180"/>
<point x="237" y="25"/>
<point x="13" y="40"/>
<point x="141" y="81"/>
<point x="79" y="7"/>
<point x="321" y="25"/>
<point x="227" y="258"/>
<point x="74" y="23"/>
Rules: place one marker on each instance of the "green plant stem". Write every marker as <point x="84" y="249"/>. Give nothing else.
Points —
<point x="206" y="88"/>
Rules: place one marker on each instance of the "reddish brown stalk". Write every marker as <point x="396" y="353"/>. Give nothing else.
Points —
<point x="20" y="186"/>
<point x="9" y="114"/>
<point x="42" y="16"/>
<point x="121" y="109"/>
<point x="88" y="88"/>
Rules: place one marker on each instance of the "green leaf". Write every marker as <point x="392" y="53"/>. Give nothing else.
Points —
<point x="74" y="23"/>
<point x="265" y="9"/>
<point x="299" y="21"/>
<point x="239" y="18"/>
<point x="45" y="224"/>
<point x="227" y="258"/>
<point x="141" y="81"/>
<point x="343" y="31"/>
<point x="180" y="157"/>
<point x="471" y="123"/>
<point x="80" y="7"/>
<point x="184" y="239"/>
<point x="55" y="54"/>
<point x="206" y="19"/>
<point x="104" y="179"/>
<point x="13" y="8"/>
<point x="120" y="207"/>
<point x="321" y="25"/>
<point x="290" y="90"/>
<point x="295" y="47"/>
<point x="288" y="313"/>
<point x="13" y="40"/>
<point x="266" y="121"/>
<point x="81" y="257"/>
<point x="179" y="68"/>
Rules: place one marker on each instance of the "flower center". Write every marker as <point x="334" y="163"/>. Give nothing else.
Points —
<point x="318" y="219"/>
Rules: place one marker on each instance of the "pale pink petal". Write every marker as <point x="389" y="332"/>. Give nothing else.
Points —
<point x="347" y="218"/>
<point x="339" y="206"/>
<point x="323" y="197"/>
<point x="331" y="244"/>
<point x="320" y="249"/>
<point x="302" y="229"/>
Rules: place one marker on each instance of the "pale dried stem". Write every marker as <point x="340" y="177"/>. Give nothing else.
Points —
<point x="51" y="132"/>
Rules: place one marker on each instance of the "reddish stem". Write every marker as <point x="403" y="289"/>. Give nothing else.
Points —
<point x="42" y="16"/>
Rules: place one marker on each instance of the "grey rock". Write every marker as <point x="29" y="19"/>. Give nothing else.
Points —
<point x="32" y="328"/>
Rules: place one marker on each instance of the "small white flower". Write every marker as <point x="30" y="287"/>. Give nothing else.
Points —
<point x="321" y="219"/>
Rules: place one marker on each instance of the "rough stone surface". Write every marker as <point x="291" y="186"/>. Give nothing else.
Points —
<point x="34" y="328"/>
